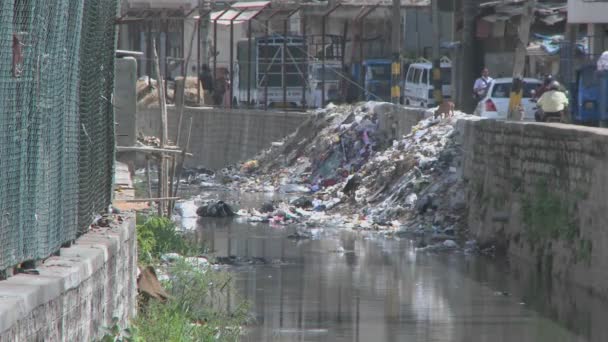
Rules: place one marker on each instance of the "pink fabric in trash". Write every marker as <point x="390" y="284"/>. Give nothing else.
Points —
<point x="365" y="138"/>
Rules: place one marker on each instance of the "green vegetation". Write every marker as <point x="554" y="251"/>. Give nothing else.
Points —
<point x="116" y="334"/>
<point x="157" y="236"/>
<point x="141" y="188"/>
<point x="202" y="303"/>
<point x="198" y="308"/>
<point x="546" y="216"/>
<point x="584" y="251"/>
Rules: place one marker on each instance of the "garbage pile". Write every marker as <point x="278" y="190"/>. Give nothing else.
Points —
<point x="351" y="174"/>
<point x="147" y="92"/>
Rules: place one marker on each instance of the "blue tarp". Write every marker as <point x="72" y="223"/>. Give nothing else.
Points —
<point x="552" y="44"/>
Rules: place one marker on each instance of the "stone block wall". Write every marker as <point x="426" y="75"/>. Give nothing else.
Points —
<point x="538" y="192"/>
<point x="221" y="136"/>
<point x="77" y="293"/>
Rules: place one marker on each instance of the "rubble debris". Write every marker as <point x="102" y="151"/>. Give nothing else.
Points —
<point x="250" y="166"/>
<point x="146" y="140"/>
<point x="215" y="209"/>
<point x="267" y="207"/>
<point x="149" y="285"/>
<point x="147" y="96"/>
<point x="357" y="175"/>
<point x="302" y="202"/>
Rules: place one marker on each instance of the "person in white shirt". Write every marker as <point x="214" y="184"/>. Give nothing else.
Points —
<point x="481" y="84"/>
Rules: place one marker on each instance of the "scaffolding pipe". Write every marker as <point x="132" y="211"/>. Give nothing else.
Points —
<point x="284" y="52"/>
<point x="198" y="53"/>
<point x="267" y="32"/>
<point x="215" y="53"/>
<point x="232" y="55"/>
<point x="198" y="60"/>
<point x="249" y="63"/>
<point x="283" y="68"/>
<point x="323" y="24"/>
<point x="305" y="71"/>
<point x="249" y="50"/>
<point x="361" y="27"/>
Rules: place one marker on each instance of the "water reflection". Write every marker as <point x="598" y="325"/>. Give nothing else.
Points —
<point x="348" y="286"/>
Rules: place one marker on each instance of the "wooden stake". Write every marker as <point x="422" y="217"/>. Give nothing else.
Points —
<point x="148" y="199"/>
<point x="181" y="161"/>
<point x="180" y="118"/>
<point x="148" y="178"/>
<point x="162" y="176"/>
<point x="159" y="192"/>
<point x="150" y="150"/>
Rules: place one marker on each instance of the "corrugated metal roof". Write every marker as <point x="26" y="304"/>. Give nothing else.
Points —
<point x="548" y="12"/>
<point x="408" y="3"/>
<point x="242" y="11"/>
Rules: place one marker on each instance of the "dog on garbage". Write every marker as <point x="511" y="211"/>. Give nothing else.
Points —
<point x="445" y="109"/>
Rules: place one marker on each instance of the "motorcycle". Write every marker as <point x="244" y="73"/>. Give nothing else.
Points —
<point x="540" y="116"/>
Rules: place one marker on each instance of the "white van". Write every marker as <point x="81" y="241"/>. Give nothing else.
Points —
<point x="418" y="87"/>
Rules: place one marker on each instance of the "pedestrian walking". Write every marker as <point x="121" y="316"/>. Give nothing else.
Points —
<point x="482" y="84"/>
<point x="206" y="82"/>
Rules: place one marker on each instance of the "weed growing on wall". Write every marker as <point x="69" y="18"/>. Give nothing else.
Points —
<point x="546" y="216"/>
<point x="584" y="251"/>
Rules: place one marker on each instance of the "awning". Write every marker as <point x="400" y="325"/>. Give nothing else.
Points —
<point x="548" y="13"/>
<point x="239" y="12"/>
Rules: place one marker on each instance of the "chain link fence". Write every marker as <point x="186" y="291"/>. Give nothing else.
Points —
<point x="56" y="122"/>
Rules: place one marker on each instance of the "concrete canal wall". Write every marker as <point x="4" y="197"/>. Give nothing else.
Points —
<point x="221" y="136"/>
<point x="538" y="192"/>
<point x="76" y="293"/>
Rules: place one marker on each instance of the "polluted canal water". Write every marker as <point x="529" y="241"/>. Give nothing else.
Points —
<point x="344" y="285"/>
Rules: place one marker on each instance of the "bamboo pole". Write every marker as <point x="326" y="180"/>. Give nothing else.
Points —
<point x="162" y="177"/>
<point x="183" y="157"/>
<point x="150" y="150"/>
<point x="155" y="199"/>
<point x="180" y="119"/>
<point x="148" y="180"/>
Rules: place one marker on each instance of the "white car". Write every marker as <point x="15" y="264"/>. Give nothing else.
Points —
<point x="495" y="105"/>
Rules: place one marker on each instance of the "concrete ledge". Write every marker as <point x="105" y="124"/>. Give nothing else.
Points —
<point x="68" y="286"/>
<point x="237" y="111"/>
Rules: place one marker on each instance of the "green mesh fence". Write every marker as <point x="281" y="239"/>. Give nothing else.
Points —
<point x="56" y="122"/>
<point x="98" y="43"/>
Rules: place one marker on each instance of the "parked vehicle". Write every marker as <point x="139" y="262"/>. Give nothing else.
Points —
<point x="245" y="72"/>
<point x="585" y="97"/>
<point x="495" y="104"/>
<point x="377" y="79"/>
<point x="274" y="68"/>
<point x="418" y="86"/>
<point x="332" y="82"/>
